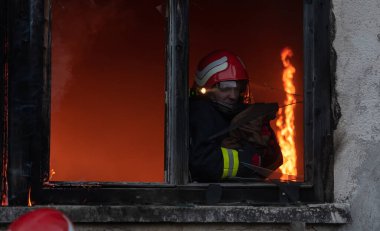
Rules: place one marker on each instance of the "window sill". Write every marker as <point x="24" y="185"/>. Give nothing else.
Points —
<point x="335" y="213"/>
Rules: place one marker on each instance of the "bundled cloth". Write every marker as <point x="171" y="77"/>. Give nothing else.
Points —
<point x="252" y="127"/>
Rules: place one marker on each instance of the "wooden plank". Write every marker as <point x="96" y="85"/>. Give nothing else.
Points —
<point x="3" y="81"/>
<point x="177" y="131"/>
<point x="322" y="120"/>
<point x="44" y="124"/>
<point x="308" y="90"/>
<point x="83" y="195"/>
<point x="25" y="81"/>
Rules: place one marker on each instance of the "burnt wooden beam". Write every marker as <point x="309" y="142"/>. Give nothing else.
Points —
<point x="317" y="97"/>
<point x="176" y="97"/>
<point x="308" y="89"/>
<point x="3" y="87"/>
<point x="25" y="94"/>
<point x="322" y="114"/>
<point x="44" y="160"/>
<point x="180" y="195"/>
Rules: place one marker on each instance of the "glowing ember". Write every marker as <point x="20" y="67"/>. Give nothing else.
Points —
<point x="29" y="199"/>
<point x="52" y="172"/>
<point x="4" y="200"/>
<point x="285" y="122"/>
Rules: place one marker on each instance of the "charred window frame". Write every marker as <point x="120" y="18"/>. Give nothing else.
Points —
<point x="29" y="102"/>
<point x="3" y="78"/>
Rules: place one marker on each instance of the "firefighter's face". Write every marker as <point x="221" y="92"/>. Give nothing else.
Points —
<point x="226" y="95"/>
<point x="228" y="92"/>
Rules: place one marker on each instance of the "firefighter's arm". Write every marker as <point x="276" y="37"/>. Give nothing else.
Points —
<point x="208" y="160"/>
<point x="233" y="159"/>
<point x="212" y="162"/>
<point x="205" y="159"/>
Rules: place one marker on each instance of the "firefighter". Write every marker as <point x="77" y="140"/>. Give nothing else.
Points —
<point x="217" y="100"/>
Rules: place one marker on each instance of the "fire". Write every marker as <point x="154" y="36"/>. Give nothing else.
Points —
<point x="52" y="172"/>
<point x="285" y="122"/>
<point x="29" y="199"/>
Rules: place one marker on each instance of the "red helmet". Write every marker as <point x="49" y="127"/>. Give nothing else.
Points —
<point x="219" y="66"/>
<point x="44" y="219"/>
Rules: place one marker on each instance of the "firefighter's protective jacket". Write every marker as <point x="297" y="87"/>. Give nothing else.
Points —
<point x="209" y="161"/>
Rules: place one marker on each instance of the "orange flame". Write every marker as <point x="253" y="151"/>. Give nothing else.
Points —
<point x="285" y="122"/>
<point x="29" y="199"/>
<point x="52" y="172"/>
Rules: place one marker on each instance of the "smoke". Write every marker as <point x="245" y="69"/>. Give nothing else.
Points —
<point x="75" y="26"/>
<point x="107" y="78"/>
<point x="61" y="71"/>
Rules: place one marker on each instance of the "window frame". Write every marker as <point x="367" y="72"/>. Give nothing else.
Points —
<point x="29" y="109"/>
<point x="3" y="80"/>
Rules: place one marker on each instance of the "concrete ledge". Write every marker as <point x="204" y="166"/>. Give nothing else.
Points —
<point x="313" y="213"/>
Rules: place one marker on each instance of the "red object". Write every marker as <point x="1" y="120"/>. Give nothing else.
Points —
<point x="220" y="66"/>
<point x="265" y="131"/>
<point x="44" y="219"/>
<point x="256" y="159"/>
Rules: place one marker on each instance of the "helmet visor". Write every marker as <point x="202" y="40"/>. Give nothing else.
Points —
<point x="239" y="86"/>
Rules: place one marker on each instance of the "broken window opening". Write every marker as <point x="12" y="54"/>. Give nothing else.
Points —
<point x="107" y="91"/>
<point x="4" y="46"/>
<point x="268" y="38"/>
<point x="29" y="134"/>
